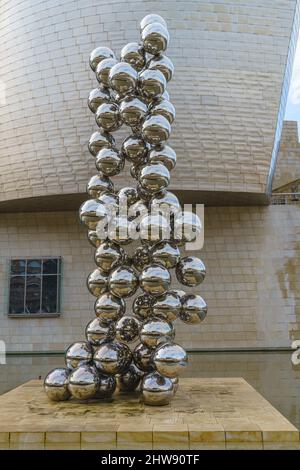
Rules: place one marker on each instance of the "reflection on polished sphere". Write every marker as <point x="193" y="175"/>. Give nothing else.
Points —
<point x="108" y="117"/>
<point x="107" y="386"/>
<point x="113" y="358"/>
<point x="156" y="130"/>
<point x="99" y="54"/>
<point x="133" y="111"/>
<point x="108" y="256"/>
<point x="163" y="108"/>
<point x="142" y="306"/>
<point x="91" y="212"/>
<point x="165" y="203"/>
<point x="111" y="203"/>
<point x="142" y="356"/>
<point x="134" y="148"/>
<point x="134" y="55"/>
<point x="187" y="227"/>
<point x="156" y="331"/>
<point x="129" y="381"/>
<point x="163" y="64"/>
<point x="163" y="154"/>
<point x="165" y="253"/>
<point x="97" y="332"/>
<point x="93" y="238"/>
<point x="103" y="69"/>
<point x="83" y="382"/>
<point x="56" y="384"/>
<point x="190" y="271"/>
<point x="157" y="390"/>
<point x="152" y="18"/>
<point x="155" y="280"/>
<point x="155" y="38"/>
<point x="194" y="309"/>
<point x="141" y="258"/>
<point x="110" y="162"/>
<point x="127" y="329"/>
<point x="167" y="307"/>
<point x="170" y="360"/>
<point x="154" y="228"/>
<point x="97" y="97"/>
<point x="109" y="308"/>
<point x="175" y="384"/>
<point x="121" y="230"/>
<point x="97" y="283"/>
<point x="128" y="195"/>
<point x="98" y="184"/>
<point x="123" y="282"/>
<point x="100" y="140"/>
<point x="154" y="177"/>
<point x="152" y="83"/>
<point x="78" y="353"/>
<point x="123" y="78"/>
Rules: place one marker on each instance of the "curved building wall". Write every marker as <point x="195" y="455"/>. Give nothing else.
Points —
<point x="230" y="61"/>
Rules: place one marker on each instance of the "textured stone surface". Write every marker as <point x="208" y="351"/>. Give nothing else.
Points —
<point x="288" y="164"/>
<point x="126" y="423"/>
<point x="229" y="58"/>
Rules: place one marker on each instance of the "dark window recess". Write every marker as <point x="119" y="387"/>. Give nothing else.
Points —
<point x="34" y="286"/>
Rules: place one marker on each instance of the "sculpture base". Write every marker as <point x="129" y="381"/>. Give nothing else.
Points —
<point x="214" y="413"/>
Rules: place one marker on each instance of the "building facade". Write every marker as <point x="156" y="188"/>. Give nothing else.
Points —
<point x="232" y="67"/>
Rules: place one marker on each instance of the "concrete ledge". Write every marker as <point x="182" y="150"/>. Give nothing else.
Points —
<point x="214" y="413"/>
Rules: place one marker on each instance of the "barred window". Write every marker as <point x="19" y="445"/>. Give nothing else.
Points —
<point x="34" y="286"/>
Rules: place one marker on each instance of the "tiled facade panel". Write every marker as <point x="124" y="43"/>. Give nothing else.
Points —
<point x="288" y="165"/>
<point x="229" y="57"/>
<point x="252" y="257"/>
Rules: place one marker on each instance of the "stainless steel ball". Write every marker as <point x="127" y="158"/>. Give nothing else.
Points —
<point x="170" y="359"/>
<point x="155" y="331"/>
<point x="97" y="333"/>
<point x="109" y="308"/>
<point x="138" y="209"/>
<point x="111" y="203"/>
<point x="141" y="258"/>
<point x="157" y="390"/>
<point x="152" y="18"/>
<point x="78" y="354"/>
<point x="134" y="148"/>
<point x="155" y="129"/>
<point x="98" y="184"/>
<point x="194" y="309"/>
<point x="143" y="194"/>
<point x="129" y="381"/>
<point x="133" y="111"/>
<point x="113" y="358"/>
<point x="168" y="306"/>
<point x="135" y="168"/>
<point x="155" y="38"/>
<point x="94" y="239"/>
<point x="97" y="283"/>
<point x="122" y="230"/>
<point x="165" y="203"/>
<point x="123" y="78"/>
<point x="97" y="97"/>
<point x="99" y="54"/>
<point x="99" y="140"/>
<point x="187" y="226"/>
<point x="163" y="154"/>
<point x="154" y="228"/>
<point x="91" y="212"/>
<point x="127" y="329"/>
<point x="142" y="356"/>
<point x="155" y="280"/>
<point x="108" y="256"/>
<point x="134" y="55"/>
<point x="83" y="382"/>
<point x="180" y="293"/>
<point x="56" y="384"/>
<point x="142" y="306"/>
<point x="128" y="195"/>
<point x="152" y="83"/>
<point x="165" y="253"/>
<point x="123" y="282"/>
<point x="163" y="108"/>
<point x="163" y="64"/>
<point x="190" y="271"/>
<point x="108" y="117"/>
<point x="103" y="69"/>
<point x="107" y="386"/>
<point x="154" y="177"/>
<point x="110" y="162"/>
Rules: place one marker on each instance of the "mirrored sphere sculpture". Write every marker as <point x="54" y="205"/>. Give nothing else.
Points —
<point x="130" y="342"/>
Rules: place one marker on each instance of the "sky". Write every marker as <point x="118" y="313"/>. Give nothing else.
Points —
<point x="293" y="104"/>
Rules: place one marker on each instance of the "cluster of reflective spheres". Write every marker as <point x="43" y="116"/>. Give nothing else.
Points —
<point x="132" y="92"/>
